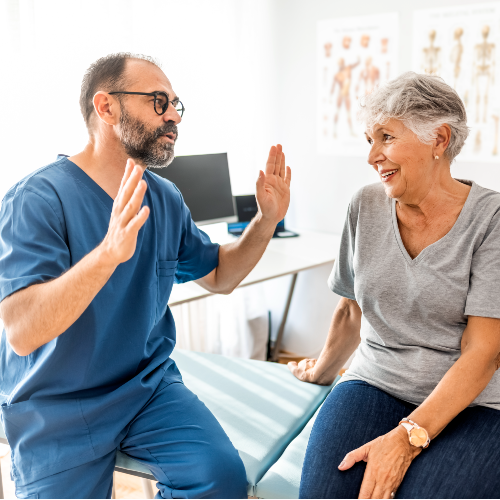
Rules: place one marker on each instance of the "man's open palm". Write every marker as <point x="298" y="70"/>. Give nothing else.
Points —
<point x="273" y="186"/>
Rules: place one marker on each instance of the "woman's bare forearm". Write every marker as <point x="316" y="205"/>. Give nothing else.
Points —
<point x="343" y="339"/>
<point x="38" y="314"/>
<point x="466" y="379"/>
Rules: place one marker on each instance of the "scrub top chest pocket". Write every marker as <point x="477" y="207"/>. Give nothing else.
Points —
<point x="165" y="271"/>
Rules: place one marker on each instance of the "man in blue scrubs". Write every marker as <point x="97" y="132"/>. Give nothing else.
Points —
<point x="90" y="247"/>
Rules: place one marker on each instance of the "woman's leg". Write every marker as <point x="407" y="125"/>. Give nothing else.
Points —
<point x="462" y="462"/>
<point x="353" y="414"/>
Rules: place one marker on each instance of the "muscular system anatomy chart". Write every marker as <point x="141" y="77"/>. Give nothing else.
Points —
<point x="355" y="55"/>
<point x="461" y="45"/>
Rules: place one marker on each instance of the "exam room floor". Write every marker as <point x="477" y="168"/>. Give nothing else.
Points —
<point x="126" y="486"/>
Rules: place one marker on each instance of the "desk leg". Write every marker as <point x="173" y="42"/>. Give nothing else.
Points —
<point x="275" y="352"/>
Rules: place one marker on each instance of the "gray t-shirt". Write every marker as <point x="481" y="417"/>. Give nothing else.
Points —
<point x="415" y="310"/>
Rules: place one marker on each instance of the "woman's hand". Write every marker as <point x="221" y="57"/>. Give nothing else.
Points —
<point x="387" y="460"/>
<point x="307" y="371"/>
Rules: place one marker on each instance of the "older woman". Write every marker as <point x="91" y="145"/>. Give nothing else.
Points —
<point x="419" y="275"/>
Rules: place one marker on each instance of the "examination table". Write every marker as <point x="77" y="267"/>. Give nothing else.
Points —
<point x="266" y="412"/>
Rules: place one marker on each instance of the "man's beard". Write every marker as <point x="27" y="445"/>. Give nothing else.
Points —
<point x="145" y="145"/>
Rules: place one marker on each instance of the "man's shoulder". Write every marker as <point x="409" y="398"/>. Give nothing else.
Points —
<point x="43" y="181"/>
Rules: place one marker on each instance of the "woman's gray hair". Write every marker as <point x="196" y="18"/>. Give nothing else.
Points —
<point x="423" y="103"/>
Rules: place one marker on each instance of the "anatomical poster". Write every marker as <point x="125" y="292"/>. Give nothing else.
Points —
<point x="355" y="55"/>
<point x="461" y="45"/>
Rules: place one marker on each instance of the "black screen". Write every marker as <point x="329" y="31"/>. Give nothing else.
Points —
<point x="204" y="183"/>
<point x="246" y="207"/>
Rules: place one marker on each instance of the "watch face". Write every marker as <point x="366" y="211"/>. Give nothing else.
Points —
<point x="418" y="437"/>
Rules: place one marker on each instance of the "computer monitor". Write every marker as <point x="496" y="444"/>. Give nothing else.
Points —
<point x="246" y="208"/>
<point x="205" y="185"/>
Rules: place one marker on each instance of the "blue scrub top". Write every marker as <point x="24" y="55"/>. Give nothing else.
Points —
<point x="71" y="400"/>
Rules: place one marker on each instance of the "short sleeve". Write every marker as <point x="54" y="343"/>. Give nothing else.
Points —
<point x="197" y="255"/>
<point x="33" y="246"/>
<point x="341" y="280"/>
<point x="483" y="298"/>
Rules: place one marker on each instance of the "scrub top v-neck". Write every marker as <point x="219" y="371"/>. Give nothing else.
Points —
<point x="415" y="310"/>
<point x="71" y="400"/>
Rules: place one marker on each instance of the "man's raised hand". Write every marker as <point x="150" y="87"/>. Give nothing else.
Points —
<point x="273" y="187"/>
<point x="127" y="216"/>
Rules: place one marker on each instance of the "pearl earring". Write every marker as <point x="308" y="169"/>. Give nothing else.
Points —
<point x="436" y="157"/>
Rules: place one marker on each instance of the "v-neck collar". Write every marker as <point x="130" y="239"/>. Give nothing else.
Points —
<point x="88" y="182"/>
<point x="430" y="247"/>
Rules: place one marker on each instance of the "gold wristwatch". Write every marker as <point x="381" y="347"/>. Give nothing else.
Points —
<point x="417" y="435"/>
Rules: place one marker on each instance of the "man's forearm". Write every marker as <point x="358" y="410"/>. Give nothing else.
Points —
<point x="38" y="314"/>
<point x="237" y="259"/>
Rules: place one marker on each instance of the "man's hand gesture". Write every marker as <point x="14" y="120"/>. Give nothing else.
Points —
<point x="273" y="187"/>
<point x="127" y="216"/>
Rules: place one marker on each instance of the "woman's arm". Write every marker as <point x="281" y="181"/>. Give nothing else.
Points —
<point x="466" y="379"/>
<point x="343" y="338"/>
<point x="389" y="456"/>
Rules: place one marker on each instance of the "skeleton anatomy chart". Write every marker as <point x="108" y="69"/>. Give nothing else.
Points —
<point x="462" y="45"/>
<point x="355" y="55"/>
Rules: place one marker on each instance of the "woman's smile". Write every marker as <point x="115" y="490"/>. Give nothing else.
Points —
<point x="387" y="175"/>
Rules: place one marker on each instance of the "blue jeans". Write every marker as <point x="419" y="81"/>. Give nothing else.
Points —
<point x="462" y="462"/>
<point x="177" y="438"/>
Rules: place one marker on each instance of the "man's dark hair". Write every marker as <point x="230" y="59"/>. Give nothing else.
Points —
<point x="107" y="74"/>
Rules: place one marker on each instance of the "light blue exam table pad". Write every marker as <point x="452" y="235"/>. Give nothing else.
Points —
<point x="282" y="480"/>
<point x="261" y="405"/>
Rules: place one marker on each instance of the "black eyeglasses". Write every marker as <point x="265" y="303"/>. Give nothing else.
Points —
<point x="161" y="101"/>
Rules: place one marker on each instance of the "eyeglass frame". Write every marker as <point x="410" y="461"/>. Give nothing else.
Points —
<point x="155" y="95"/>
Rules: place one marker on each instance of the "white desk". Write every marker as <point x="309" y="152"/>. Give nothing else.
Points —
<point x="283" y="256"/>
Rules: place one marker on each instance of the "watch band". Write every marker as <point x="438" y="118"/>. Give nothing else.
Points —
<point x="409" y="425"/>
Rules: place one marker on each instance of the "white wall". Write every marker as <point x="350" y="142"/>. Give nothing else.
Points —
<point x="323" y="185"/>
<point x="218" y="55"/>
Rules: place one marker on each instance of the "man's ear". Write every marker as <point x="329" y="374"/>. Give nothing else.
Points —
<point x="443" y="137"/>
<point x="107" y="108"/>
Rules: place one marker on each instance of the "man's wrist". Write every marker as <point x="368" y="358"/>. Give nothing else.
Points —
<point x="265" y="224"/>
<point x="105" y="258"/>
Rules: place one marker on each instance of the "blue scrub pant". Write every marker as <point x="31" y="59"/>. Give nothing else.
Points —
<point x="462" y="462"/>
<point x="177" y="438"/>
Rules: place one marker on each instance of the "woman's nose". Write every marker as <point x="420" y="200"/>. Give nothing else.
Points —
<point x="375" y="155"/>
